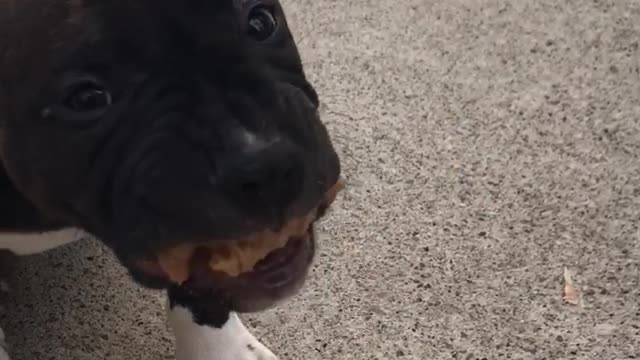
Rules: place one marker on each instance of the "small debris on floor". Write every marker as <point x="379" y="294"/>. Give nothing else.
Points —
<point x="570" y="293"/>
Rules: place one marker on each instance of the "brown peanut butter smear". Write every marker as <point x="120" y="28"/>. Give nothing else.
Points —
<point x="238" y="256"/>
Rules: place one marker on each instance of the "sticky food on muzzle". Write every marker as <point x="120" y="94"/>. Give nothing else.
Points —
<point x="235" y="257"/>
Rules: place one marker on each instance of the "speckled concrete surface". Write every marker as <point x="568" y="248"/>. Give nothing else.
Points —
<point x="488" y="145"/>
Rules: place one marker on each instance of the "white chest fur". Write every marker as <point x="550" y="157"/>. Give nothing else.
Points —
<point x="232" y="341"/>
<point x="33" y="243"/>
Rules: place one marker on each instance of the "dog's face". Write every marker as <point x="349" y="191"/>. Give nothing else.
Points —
<point x="156" y="123"/>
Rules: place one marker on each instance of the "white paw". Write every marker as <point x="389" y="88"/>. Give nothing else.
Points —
<point x="257" y="351"/>
<point x="261" y="353"/>
<point x="232" y="341"/>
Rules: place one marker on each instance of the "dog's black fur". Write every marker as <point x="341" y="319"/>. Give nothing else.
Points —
<point x="153" y="122"/>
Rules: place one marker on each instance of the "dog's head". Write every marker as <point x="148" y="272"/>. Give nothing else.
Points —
<point x="177" y="132"/>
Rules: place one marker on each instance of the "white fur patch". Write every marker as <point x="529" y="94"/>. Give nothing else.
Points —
<point x="33" y="243"/>
<point x="230" y="342"/>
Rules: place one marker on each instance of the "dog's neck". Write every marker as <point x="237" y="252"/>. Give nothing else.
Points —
<point x="17" y="213"/>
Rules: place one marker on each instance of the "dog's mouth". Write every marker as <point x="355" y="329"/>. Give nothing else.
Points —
<point x="252" y="273"/>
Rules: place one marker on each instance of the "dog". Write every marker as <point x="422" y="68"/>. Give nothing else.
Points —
<point x="184" y="135"/>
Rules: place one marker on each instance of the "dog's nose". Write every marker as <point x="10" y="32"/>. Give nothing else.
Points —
<point x="268" y="176"/>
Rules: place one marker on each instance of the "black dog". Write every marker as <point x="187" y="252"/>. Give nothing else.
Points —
<point x="155" y="124"/>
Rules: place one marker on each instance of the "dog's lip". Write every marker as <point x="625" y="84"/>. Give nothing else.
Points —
<point x="280" y="269"/>
<point x="237" y="257"/>
<point x="259" y="289"/>
<point x="294" y="258"/>
<point x="279" y="258"/>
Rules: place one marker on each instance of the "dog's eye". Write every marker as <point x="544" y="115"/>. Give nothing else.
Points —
<point x="262" y="23"/>
<point x="87" y="96"/>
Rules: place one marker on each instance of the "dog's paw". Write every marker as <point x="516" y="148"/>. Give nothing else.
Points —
<point x="257" y="351"/>
<point x="229" y="340"/>
<point x="248" y="348"/>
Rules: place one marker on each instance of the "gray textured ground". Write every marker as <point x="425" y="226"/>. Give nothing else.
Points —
<point x="488" y="145"/>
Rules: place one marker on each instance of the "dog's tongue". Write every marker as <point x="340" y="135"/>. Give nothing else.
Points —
<point x="237" y="256"/>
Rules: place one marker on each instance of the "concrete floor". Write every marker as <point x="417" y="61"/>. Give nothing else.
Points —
<point x="488" y="145"/>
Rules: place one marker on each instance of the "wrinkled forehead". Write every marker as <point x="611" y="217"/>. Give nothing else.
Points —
<point x="200" y="21"/>
<point x="148" y="28"/>
<point x="163" y="29"/>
